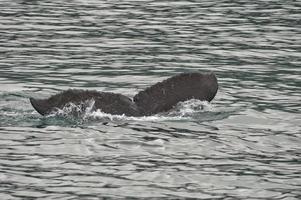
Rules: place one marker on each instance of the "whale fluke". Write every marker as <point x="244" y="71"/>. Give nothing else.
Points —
<point x="164" y="95"/>
<point x="158" y="98"/>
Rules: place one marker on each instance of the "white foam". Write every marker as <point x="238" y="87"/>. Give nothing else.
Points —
<point x="191" y="106"/>
<point x="75" y="109"/>
<point x="182" y="111"/>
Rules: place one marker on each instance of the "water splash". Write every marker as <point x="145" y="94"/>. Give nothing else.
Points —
<point x="84" y="113"/>
<point x="75" y="110"/>
<point x="182" y="111"/>
<point x="190" y="107"/>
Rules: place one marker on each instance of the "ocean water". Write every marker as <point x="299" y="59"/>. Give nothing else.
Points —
<point x="245" y="144"/>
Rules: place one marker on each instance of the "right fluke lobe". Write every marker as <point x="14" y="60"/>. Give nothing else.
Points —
<point x="164" y="95"/>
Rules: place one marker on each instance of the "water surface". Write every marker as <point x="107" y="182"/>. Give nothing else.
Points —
<point x="245" y="144"/>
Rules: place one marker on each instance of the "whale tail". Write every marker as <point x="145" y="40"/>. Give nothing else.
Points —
<point x="164" y="95"/>
<point x="160" y="97"/>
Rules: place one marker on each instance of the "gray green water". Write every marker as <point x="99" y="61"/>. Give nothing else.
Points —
<point x="246" y="144"/>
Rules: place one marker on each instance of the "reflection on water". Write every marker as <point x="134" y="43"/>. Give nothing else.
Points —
<point x="245" y="144"/>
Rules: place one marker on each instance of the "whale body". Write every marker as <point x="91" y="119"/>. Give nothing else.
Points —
<point x="160" y="97"/>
